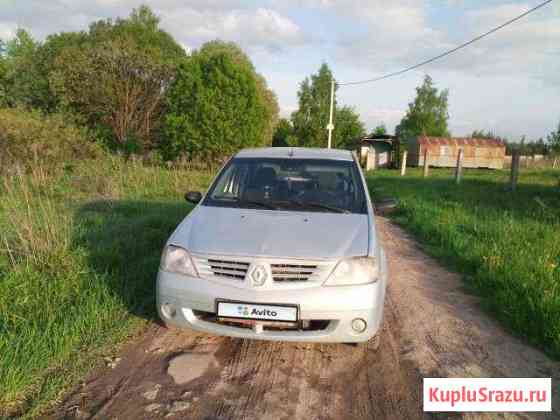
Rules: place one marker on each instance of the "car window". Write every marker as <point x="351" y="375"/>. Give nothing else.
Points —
<point x="289" y="184"/>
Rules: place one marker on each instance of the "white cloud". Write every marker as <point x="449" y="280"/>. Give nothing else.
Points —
<point x="388" y="116"/>
<point x="385" y="33"/>
<point x="489" y="17"/>
<point x="253" y="29"/>
<point x="190" y="22"/>
<point x="7" y="30"/>
<point x="527" y="48"/>
<point x="287" y="110"/>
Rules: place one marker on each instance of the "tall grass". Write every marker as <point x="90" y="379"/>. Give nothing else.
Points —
<point x="79" y="250"/>
<point x="507" y="245"/>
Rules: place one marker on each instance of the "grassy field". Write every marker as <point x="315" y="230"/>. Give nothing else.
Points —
<point x="79" y="251"/>
<point x="507" y="245"/>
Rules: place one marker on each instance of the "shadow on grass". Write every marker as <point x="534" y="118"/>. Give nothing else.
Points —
<point x="123" y="241"/>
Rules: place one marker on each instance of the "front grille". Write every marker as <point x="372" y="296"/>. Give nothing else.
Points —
<point x="292" y="272"/>
<point x="284" y="272"/>
<point x="222" y="268"/>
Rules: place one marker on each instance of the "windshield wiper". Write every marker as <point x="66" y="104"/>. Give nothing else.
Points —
<point x="316" y="205"/>
<point x="249" y="202"/>
<point x="258" y="203"/>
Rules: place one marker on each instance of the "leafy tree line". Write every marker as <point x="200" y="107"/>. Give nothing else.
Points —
<point x="553" y="140"/>
<point x="427" y="114"/>
<point x="526" y="147"/>
<point x="138" y="91"/>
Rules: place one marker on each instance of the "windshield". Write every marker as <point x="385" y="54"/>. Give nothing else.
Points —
<point x="289" y="184"/>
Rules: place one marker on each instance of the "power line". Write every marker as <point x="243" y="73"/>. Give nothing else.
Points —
<point x="451" y="51"/>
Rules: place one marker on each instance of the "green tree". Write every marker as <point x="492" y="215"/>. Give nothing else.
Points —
<point x="311" y="118"/>
<point x="23" y="82"/>
<point x="284" y="134"/>
<point x="25" y="66"/>
<point x="266" y="95"/>
<point x="380" y="130"/>
<point x="348" y="129"/>
<point x="45" y="60"/>
<point x="116" y="77"/>
<point x="553" y="140"/>
<point x="216" y="105"/>
<point x="481" y="134"/>
<point x="142" y="26"/>
<point x="428" y="113"/>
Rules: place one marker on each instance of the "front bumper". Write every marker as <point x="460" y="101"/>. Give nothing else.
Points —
<point x="336" y="307"/>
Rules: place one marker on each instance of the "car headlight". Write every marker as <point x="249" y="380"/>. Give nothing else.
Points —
<point x="177" y="260"/>
<point x="352" y="271"/>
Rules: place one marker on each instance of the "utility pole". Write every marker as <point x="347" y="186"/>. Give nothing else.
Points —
<point x="330" y="127"/>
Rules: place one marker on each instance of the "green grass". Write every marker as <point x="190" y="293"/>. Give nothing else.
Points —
<point x="79" y="252"/>
<point x="507" y="245"/>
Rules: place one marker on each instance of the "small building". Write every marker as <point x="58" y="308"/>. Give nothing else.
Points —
<point x="379" y="151"/>
<point x="443" y="151"/>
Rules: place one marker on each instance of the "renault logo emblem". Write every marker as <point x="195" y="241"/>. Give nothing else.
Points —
<point x="258" y="275"/>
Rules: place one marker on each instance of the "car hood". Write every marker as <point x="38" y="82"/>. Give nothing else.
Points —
<point x="287" y="234"/>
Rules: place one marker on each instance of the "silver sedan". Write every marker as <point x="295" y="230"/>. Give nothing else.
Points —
<point x="283" y="246"/>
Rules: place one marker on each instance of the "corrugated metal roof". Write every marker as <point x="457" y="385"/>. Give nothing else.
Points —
<point x="460" y="141"/>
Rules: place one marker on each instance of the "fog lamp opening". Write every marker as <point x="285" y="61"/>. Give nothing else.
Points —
<point x="359" y="325"/>
<point x="168" y="310"/>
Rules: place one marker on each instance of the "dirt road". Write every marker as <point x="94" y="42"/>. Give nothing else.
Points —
<point x="432" y="328"/>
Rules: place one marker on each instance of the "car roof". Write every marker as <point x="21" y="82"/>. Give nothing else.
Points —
<point x="295" y="152"/>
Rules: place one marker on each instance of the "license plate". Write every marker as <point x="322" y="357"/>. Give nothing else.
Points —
<point x="257" y="311"/>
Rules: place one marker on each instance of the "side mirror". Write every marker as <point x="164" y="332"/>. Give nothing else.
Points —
<point x="385" y="206"/>
<point x="193" y="197"/>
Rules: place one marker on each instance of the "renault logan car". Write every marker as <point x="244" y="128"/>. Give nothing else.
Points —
<point x="283" y="246"/>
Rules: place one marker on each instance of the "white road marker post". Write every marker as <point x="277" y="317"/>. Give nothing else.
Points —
<point x="459" y="167"/>
<point x="403" y="163"/>
<point x="330" y="127"/>
<point x="514" y="169"/>
<point x="426" y="163"/>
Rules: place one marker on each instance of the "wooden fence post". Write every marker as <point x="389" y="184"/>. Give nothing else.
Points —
<point x="554" y="163"/>
<point x="370" y="160"/>
<point x="403" y="163"/>
<point x="459" y="167"/>
<point x="514" y="169"/>
<point x="426" y="165"/>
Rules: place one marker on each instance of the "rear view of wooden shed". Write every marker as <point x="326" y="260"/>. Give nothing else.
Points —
<point x="443" y="151"/>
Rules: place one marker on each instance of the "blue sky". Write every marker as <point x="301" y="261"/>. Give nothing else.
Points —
<point x="508" y="83"/>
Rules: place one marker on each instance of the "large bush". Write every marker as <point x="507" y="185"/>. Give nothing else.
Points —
<point x="217" y="105"/>
<point x="29" y="139"/>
